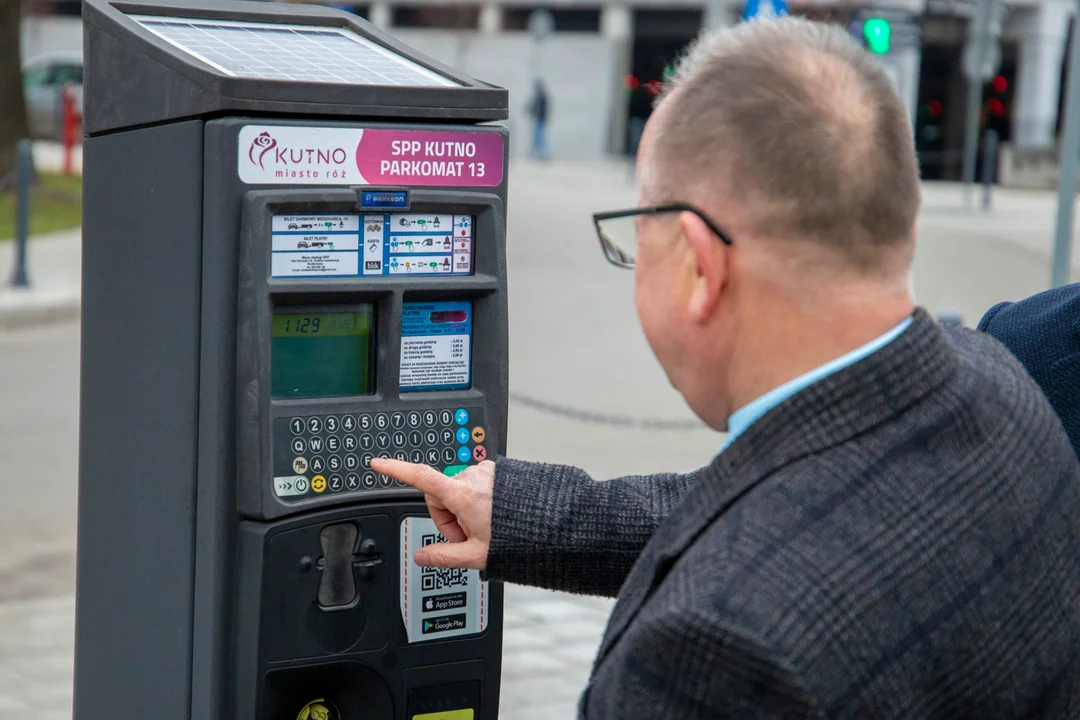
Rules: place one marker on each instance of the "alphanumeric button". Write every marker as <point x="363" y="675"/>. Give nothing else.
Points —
<point x="332" y="423"/>
<point x="432" y="437"/>
<point x="365" y="460"/>
<point x="385" y="481"/>
<point x="366" y="423"/>
<point x="430" y="418"/>
<point x="333" y="444"/>
<point x="449" y="456"/>
<point x="446" y="417"/>
<point x="397" y="420"/>
<point x="447" y="436"/>
<point x="333" y="463"/>
<point x="416" y="438"/>
<point x="400" y="484"/>
<point x="401" y="455"/>
<point x="417" y="456"/>
<point x="336" y="483"/>
<point x="297" y="426"/>
<point x="352" y="481"/>
<point x="317" y="464"/>
<point x="298" y="446"/>
<point x="432" y="456"/>
<point x="382" y="440"/>
<point x="382" y="421"/>
<point x="367" y="441"/>
<point x="369" y="480"/>
<point x="351" y="462"/>
<point x="314" y="424"/>
<point x="350" y="442"/>
<point x="399" y="439"/>
<point x="348" y="423"/>
<point x="415" y="419"/>
<point x="316" y="444"/>
<point x="384" y="455"/>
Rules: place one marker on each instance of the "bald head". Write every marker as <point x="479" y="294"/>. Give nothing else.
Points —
<point x="799" y="127"/>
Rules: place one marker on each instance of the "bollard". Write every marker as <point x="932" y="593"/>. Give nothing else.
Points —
<point x="69" y="127"/>
<point x="24" y="172"/>
<point x="950" y="317"/>
<point x="989" y="164"/>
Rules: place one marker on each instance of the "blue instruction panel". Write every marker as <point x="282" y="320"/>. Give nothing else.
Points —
<point x="305" y="246"/>
<point x="436" y="345"/>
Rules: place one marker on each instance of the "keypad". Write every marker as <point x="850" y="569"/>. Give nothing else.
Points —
<point x="330" y="454"/>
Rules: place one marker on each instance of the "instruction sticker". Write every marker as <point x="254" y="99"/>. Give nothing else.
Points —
<point x="437" y="603"/>
<point x="436" y="345"/>
<point x="384" y="244"/>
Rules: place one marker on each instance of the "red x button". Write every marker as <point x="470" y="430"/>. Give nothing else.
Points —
<point x="479" y="453"/>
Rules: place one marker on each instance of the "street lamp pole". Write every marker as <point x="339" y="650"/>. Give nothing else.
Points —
<point x="1070" y="150"/>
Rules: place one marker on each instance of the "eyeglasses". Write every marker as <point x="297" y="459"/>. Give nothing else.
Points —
<point x="618" y="233"/>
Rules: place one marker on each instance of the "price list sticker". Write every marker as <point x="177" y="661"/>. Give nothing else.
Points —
<point x="436" y="345"/>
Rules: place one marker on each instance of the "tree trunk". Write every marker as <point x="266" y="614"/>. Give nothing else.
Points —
<point x="13" y="126"/>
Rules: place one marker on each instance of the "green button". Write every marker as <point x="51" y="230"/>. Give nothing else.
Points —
<point x="453" y="470"/>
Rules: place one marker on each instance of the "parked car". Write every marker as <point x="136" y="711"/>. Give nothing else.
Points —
<point x="44" y="78"/>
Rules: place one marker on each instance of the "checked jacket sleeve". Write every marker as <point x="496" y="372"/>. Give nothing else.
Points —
<point x="555" y="527"/>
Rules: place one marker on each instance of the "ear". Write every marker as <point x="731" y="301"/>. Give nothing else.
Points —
<point x="710" y="266"/>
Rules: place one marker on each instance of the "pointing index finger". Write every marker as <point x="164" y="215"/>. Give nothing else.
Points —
<point x="424" y="478"/>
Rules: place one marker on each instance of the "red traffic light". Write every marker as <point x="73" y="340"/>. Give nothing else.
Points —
<point x="999" y="83"/>
<point x="630" y="82"/>
<point x="935" y="108"/>
<point x="995" y="107"/>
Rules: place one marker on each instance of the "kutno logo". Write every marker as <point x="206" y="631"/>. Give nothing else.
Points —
<point x="263" y="144"/>
<point x="294" y="161"/>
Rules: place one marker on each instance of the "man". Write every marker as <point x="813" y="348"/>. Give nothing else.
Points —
<point x="539" y="110"/>
<point x="1044" y="333"/>
<point x="890" y="530"/>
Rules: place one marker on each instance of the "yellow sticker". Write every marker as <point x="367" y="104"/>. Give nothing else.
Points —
<point x="466" y="714"/>
<point x="319" y="709"/>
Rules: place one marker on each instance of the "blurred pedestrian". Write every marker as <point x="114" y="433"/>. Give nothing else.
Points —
<point x="1043" y="331"/>
<point x="890" y="528"/>
<point x="539" y="110"/>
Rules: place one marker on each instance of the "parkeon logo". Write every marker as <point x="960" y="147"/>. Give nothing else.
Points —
<point x="261" y="145"/>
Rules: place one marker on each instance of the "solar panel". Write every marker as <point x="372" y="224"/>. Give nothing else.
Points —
<point x="273" y="51"/>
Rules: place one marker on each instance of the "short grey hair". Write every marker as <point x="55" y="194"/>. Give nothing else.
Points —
<point x="801" y="126"/>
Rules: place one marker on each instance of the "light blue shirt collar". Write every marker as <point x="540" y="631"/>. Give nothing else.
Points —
<point x="750" y="413"/>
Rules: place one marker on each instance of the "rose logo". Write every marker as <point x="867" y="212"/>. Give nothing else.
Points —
<point x="265" y="143"/>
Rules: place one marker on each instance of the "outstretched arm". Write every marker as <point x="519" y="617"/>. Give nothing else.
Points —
<point x="553" y="526"/>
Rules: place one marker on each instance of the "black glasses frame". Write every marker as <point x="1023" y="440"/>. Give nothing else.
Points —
<point x="618" y="258"/>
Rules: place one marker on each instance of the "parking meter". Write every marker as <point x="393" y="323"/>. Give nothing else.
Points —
<point x="293" y="263"/>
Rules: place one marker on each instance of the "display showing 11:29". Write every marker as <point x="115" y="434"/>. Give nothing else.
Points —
<point x="304" y="324"/>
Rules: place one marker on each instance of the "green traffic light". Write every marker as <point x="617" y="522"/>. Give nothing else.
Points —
<point x="878" y="34"/>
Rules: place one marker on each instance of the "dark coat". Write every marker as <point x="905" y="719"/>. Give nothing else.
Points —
<point x="899" y="540"/>
<point x="1044" y="333"/>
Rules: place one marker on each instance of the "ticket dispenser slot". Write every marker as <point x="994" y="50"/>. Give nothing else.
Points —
<point x="290" y="268"/>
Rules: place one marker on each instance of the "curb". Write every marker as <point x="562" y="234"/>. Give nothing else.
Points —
<point x="32" y="311"/>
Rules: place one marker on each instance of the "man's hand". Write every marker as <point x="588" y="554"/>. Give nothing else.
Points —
<point x="460" y="507"/>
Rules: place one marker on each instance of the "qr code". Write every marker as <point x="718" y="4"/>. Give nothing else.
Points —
<point x="432" y="578"/>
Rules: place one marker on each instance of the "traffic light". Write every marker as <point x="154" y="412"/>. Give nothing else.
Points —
<point x="878" y="35"/>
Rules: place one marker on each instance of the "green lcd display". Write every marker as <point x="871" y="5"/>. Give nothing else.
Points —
<point x="321" y="354"/>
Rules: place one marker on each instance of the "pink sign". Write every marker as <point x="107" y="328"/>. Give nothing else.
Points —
<point x="430" y="157"/>
<point x="368" y="156"/>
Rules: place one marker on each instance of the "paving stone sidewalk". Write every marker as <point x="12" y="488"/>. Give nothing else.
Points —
<point x="550" y="642"/>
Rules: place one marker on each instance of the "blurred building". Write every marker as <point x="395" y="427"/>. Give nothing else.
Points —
<point x="604" y="59"/>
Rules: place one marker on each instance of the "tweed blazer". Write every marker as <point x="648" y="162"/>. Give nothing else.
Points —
<point x="898" y="540"/>
<point x="1043" y="332"/>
